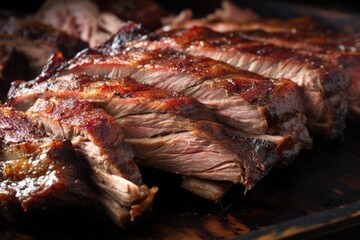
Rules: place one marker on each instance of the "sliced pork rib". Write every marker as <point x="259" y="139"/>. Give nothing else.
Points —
<point x="255" y="106"/>
<point x="337" y="49"/>
<point x="96" y="136"/>
<point x="37" y="171"/>
<point x="166" y="130"/>
<point x="324" y="84"/>
<point x="304" y="33"/>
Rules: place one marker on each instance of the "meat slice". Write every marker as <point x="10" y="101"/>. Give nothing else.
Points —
<point x="37" y="42"/>
<point x="324" y="85"/>
<point x="255" y="106"/>
<point x="166" y="130"/>
<point x="36" y="171"/>
<point x="338" y="49"/>
<point x="96" y="136"/>
<point x="303" y="33"/>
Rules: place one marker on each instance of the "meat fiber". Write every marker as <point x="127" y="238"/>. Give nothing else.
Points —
<point x="304" y="33"/>
<point x="324" y="84"/>
<point x="337" y="49"/>
<point x="96" y="136"/>
<point x="256" y="106"/>
<point x="36" y="171"/>
<point x="252" y="104"/>
<point x="166" y="130"/>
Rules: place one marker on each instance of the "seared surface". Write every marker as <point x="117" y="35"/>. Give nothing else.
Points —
<point x="254" y="105"/>
<point x="324" y="84"/>
<point x="96" y="135"/>
<point x="37" y="171"/>
<point x="167" y="131"/>
<point x="303" y="33"/>
<point x="338" y="49"/>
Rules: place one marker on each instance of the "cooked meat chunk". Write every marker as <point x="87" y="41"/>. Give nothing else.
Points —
<point x="166" y="130"/>
<point x="37" y="171"/>
<point x="324" y="85"/>
<point x="304" y="33"/>
<point x="96" y="136"/>
<point x="338" y="49"/>
<point x="255" y="106"/>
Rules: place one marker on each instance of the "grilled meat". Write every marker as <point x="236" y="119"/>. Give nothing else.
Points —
<point x="304" y="34"/>
<point x="36" y="171"/>
<point x="96" y="136"/>
<point x="324" y="85"/>
<point x="255" y="106"/>
<point x="337" y="49"/>
<point x="166" y="130"/>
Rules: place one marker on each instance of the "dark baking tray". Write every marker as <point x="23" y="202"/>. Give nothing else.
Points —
<point x="318" y="194"/>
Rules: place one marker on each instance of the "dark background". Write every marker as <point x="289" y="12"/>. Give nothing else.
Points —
<point x="200" y="6"/>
